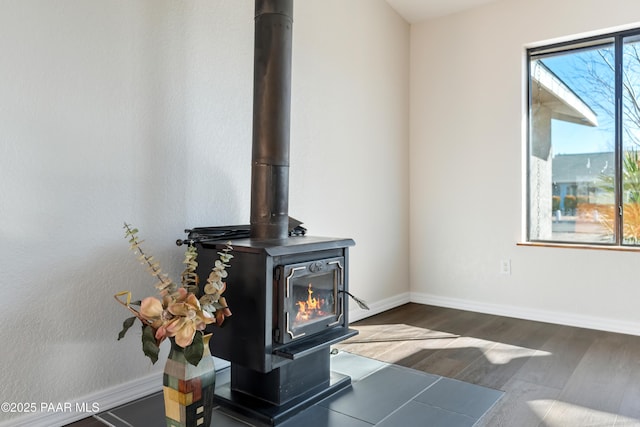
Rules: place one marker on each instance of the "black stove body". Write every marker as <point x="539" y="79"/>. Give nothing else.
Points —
<point x="289" y="306"/>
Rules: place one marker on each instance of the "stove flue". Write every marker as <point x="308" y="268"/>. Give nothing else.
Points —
<point x="271" y="119"/>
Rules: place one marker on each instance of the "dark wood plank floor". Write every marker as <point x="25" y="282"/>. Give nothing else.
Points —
<point x="552" y="375"/>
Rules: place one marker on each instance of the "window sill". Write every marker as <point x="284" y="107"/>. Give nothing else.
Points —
<point x="580" y="246"/>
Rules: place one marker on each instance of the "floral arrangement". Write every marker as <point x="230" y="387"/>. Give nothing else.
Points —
<point x="179" y="313"/>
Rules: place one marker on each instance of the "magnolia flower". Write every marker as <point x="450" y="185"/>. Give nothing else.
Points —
<point x="151" y="310"/>
<point x="156" y="315"/>
<point x="179" y="315"/>
<point x="189" y="317"/>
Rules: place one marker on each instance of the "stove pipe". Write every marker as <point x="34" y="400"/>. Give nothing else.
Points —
<point x="271" y="119"/>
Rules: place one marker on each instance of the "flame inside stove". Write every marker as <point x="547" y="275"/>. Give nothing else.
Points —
<point x="310" y="308"/>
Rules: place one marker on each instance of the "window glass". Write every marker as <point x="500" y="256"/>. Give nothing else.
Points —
<point x="630" y="142"/>
<point x="572" y="144"/>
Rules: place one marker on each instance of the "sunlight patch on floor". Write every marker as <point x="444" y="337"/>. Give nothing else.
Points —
<point x="562" y="414"/>
<point x="501" y="354"/>
<point x="496" y="353"/>
<point x="397" y="332"/>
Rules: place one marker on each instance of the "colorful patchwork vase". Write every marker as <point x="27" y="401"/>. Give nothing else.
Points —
<point x="188" y="389"/>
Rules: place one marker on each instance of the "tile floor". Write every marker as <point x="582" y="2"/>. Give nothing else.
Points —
<point x="382" y="395"/>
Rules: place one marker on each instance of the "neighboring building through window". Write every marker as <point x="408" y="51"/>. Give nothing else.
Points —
<point x="584" y="136"/>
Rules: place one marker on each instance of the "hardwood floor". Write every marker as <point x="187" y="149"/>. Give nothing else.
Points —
<point x="552" y="375"/>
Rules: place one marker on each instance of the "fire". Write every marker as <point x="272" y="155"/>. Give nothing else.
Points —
<point x="310" y="308"/>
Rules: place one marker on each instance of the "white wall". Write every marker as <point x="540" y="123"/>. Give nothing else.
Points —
<point x="467" y="119"/>
<point x="141" y="111"/>
<point x="350" y="137"/>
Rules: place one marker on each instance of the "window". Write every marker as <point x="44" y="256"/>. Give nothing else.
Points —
<point x="583" y="179"/>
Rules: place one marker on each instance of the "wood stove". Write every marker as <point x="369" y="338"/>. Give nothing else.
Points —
<point x="288" y="294"/>
<point x="289" y="305"/>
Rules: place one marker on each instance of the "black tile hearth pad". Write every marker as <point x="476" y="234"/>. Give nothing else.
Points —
<point x="381" y="395"/>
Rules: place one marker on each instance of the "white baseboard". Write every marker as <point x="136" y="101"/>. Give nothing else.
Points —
<point x="568" y="319"/>
<point x="356" y="313"/>
<point x="104" y="399"/>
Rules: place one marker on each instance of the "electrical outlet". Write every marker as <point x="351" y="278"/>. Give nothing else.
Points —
<point x="505" y="267"/>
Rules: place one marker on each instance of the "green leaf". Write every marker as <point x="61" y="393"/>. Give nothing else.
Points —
<point x="193" y="352"/>
<point x="149" y="345"/>
<point x="125" y="327"/>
